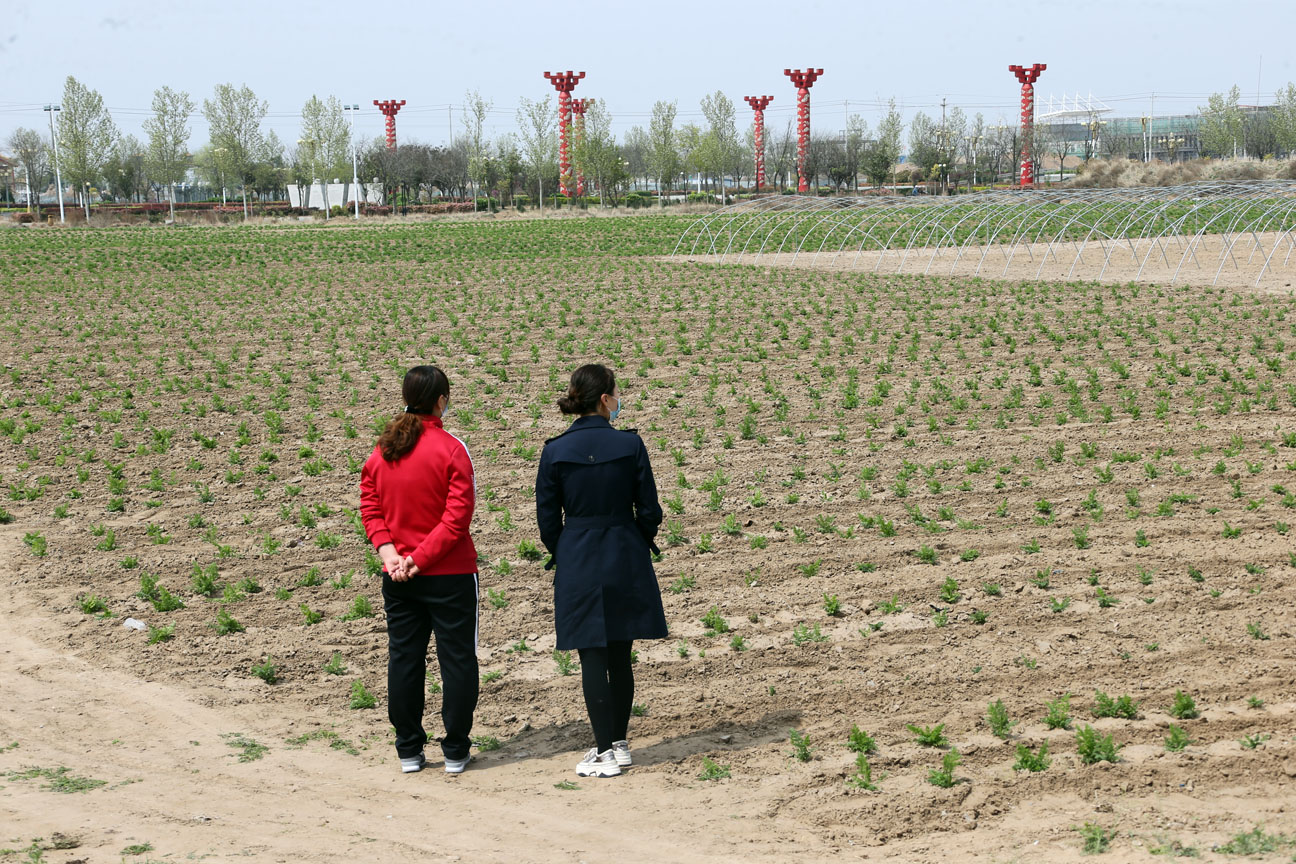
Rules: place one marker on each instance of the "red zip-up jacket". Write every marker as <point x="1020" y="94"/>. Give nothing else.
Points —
<point x="423" y="502"/>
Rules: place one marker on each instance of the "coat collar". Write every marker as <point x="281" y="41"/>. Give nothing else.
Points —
<point x="593" y="421"/>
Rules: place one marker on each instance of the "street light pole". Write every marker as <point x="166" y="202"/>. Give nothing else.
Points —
<point x="58" y="174"/>
<point x="355" y="174"/>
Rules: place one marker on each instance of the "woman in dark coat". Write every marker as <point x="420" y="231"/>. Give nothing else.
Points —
<point x="597" y="508"/>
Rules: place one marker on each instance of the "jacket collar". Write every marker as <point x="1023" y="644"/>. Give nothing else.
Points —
<point x="432" y="419"/>
<point x="593" y="421"/>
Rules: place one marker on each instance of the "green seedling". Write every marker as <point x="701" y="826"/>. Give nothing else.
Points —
<point x="932" y="736"/>
<point x="944" y="776"/>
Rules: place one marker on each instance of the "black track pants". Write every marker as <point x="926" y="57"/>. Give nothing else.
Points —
<point x="446" y="606"/>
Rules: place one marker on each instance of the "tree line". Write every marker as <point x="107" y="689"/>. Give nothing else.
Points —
<point x="244" y="159"/>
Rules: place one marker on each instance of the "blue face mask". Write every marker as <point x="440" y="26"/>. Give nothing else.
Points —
<point x="612" y="415"/>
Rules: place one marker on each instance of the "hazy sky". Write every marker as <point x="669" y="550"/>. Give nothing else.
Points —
<point x="430" y="53"/>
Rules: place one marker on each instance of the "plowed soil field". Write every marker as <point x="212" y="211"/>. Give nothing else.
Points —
<point x="893" y="502"/>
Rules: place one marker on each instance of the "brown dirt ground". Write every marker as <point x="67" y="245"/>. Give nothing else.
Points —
<point x="85" y="693"/>
<point x="1263" y="261"/>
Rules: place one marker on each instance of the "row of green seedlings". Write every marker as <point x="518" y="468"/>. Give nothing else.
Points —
<point x="205" y="583"/>
<point x="950" y="593"/>
<point x="1091" y="746"/>
<point x="673" y="533"/>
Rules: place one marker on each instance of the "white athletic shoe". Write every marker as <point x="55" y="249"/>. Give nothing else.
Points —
<point x="457" y="766"/>
<point x="596" y="764"/>
<point x="413" y="764"/>
<point x="621" y="750"/>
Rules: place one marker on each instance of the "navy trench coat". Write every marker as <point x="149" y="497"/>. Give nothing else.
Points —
<point x="597" y="508"/>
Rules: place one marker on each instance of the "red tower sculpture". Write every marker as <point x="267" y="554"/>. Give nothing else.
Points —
<point x="564" y="83"/>
<point x="759" y="104"/>
<point x="578" y="107"/>
<point x="1027" y="77"/>
<point x="389" y="109"/>
<point x="803" y="81"/>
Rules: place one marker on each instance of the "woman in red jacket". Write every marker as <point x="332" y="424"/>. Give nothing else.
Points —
<point x="417" y="494"/>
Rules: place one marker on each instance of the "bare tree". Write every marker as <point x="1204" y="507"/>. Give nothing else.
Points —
<point x="782" y="154"/>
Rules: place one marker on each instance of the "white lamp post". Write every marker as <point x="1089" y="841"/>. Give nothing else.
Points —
<point x="355" y="173"/>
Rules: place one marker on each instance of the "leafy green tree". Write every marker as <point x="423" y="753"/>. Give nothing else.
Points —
<point x="924" y="144"/>
<point x="480" y="168"/>
<point x="1220" y="131"/>
<point x="168" y="133"/>
<point x="270" y="170"/>
<point x="325" y="143"/>
<point x="881" y="154"/>
<point x="86" y="137"/>
<point x="538" y="130"/>
<point x="126" y="173"/>
<point x="689" y="141"/>
<point x="508" y="159"/>
<point x="1284" y="119"/>
<point x="857" y="133"/>
<point x="28" y="147"/>
<point x="597" y="151"/>
<point x="235" y="117"/>
<point x="720" y="149"/>
<point x="663" y="147"/>
<point x="634" y="147"/>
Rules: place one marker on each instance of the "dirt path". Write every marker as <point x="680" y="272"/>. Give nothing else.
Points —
<point x="1253" y="262"/>
<point x="172" y="781"/>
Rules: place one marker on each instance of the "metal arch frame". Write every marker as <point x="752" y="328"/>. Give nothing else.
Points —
<point x="1012" y="221"/>
<point x="1201" y="232"/>
<point x="1290" y="234"/>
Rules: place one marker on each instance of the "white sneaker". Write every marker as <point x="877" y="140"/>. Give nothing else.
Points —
<point x="596" y="764"/>
<point x="621" y="750"/>
<point x="457" y="766"/>
<point x="413" y="764"/>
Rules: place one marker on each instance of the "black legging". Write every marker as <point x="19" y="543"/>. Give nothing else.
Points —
<point x="609" y="691"/>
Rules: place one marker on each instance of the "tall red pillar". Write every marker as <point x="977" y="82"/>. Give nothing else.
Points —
<point x="578" y="107"/>
<point x="803" y="81"/>
<point x="1027" y="77"/>
<point x="564" y="83"/>
<point x="759" y="104"/>
<point x="389" y="108"/>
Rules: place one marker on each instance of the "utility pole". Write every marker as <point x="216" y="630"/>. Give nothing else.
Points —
<point x="58" y="174"/>
<point x="944" y="147"/>
<point x="355" y="174"/>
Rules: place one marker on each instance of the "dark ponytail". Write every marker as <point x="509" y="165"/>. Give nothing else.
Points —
<point x="588" y="384"/>
<point x="422" y="388"/>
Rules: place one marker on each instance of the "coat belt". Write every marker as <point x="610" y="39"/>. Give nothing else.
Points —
<point x="578" y="522"/>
